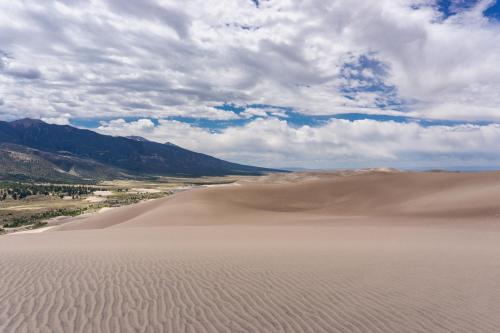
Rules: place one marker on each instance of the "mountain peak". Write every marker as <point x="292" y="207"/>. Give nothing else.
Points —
<point x="26" y="122"/>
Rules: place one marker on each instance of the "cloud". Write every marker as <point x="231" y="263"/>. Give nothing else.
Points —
<point x="251" y="112"/>
<point x="315" y="57"/>
<point x="335" y="144"/>
<point x="63" y="119"/>
<point x="24" y="73"/>
<point x="172" y="17"/>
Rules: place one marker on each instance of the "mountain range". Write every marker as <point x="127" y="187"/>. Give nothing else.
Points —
<point x="33" y="149"/>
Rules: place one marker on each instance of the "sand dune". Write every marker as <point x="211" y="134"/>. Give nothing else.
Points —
<point x="320" y="198"/>
<point x="342" y="252"/>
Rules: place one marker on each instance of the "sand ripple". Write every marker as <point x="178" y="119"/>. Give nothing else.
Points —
<point x="328" y="280"/>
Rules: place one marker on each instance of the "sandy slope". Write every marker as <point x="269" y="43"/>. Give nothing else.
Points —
<point x="320" y="198"/>
<point x="343" y="252"/>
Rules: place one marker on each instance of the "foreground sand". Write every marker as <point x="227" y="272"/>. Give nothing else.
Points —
<point x="370" y="252"/>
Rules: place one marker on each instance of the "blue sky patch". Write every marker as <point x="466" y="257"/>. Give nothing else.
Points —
<point x="493" y="12"/>
<point x="452" y="7"/>
<point x="366" y="74"/>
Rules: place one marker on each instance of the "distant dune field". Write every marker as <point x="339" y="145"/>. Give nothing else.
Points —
<point x="365" y="251"/>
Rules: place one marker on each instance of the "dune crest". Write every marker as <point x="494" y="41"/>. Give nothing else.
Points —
<point x="319" y="198"/>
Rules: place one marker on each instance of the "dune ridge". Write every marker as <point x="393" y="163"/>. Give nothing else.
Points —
<point x="319" y="197"/>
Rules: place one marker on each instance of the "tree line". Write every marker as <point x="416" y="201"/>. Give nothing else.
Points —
<point x="22" y="191"/>
<point x="37" y="219"/>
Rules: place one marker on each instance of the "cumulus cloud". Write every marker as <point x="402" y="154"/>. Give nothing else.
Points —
<point x="337" y="143"/>
<point x="263" y="112"/>
<point x="115" y="58"/>
<point x="63" y="119"/>
<point x="24" y="73"/>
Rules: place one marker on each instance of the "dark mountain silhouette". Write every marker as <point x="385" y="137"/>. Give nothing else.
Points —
<point x="78" y="153"/>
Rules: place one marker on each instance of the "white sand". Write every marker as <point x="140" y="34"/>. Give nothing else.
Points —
<point x="103" y="193"/>
<point x="144" y="190"/>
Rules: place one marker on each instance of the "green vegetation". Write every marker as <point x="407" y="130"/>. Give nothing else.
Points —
<point x="18" y="191"/>
<point x="122" y="200"/>
<point x="29" y="205"/>
<point x="36" y="220"/>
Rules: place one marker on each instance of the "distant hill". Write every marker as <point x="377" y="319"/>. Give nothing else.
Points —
<point x="23" y="163"/>
<point x="37" y="150"/>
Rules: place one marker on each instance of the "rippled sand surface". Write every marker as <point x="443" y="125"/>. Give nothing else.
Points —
<point x="413" y="271"/>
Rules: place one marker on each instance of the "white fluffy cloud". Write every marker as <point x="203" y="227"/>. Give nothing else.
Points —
<point x="63" y="119"/>
<point x="337" y="143"/>
<point x="160" y="58"/>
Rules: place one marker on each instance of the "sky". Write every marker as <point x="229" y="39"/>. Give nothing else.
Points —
<point x="277" y="83"/>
